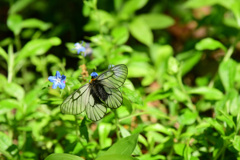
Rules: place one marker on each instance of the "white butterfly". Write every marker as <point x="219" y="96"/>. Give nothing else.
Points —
<point x="101" y="92"/>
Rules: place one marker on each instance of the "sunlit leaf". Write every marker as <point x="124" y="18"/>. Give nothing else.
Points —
<point x="63" y="156"/>
<point x="124" y="146"/>
<point x="157" y="21"/>
<point x="227" y="72"/>
<point x="209" y="44"/>
<point x="15" y="90"/>
<point x="140" y="30"/>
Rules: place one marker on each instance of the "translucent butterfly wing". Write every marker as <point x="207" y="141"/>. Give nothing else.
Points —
<point x="82" y="99"/>
<point x="114" y="77"/>
<point x="95" y="111"/>
<point x="77" y="101"/>
<point x="114" y="99"/>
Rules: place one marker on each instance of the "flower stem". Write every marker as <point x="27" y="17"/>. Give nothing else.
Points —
<point x="10" y="63"/>
<point x="116" y="124"/>
<point x="78" y="137"/>
<point x="189" y="101"/>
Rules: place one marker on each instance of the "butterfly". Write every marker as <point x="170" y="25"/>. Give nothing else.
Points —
<point x="101" y="92"/>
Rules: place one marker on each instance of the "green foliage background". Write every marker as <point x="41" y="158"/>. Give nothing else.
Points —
<point x="181" y="98"/>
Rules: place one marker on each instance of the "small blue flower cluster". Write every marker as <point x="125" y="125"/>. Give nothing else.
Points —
<point x="58" y="80"/>
<point x="87" y="50"/>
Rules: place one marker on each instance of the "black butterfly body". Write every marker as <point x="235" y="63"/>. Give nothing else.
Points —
<point x="101" y="92"/>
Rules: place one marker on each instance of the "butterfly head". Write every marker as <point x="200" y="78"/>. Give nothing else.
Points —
<point x="94" y="75"/>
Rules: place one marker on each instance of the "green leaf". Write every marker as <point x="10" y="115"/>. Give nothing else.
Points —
<point x="35" y="23"/>
<point x="140" y="30"/>
<point x="130" y="7"/>
<point x="8" y="104"/>
<point x="173" y="65"/>
<point x="227" y="72"/>
<point x="14" y="90"/>
<point x="127" y="103"/>
<point x="133" y="96"/>
<point x="159" y="128"/>
<point x="120" y="35"/>
<point x="188" y="60"/>
<point x="3" y="53"/>
<point x="125" y="133"/>
<point x="179" y="95"/>
<point x="37" y="47"/>
<point x="19" y="6"/>
<point x="3" y="81"/>
<point x="235" y="7"/>
<point x="201" y="3"/>
<point x="236" y="142"/>
<point x="226" y="118"/>
<point x="187" y="118"/>
<point x="216" y="125"/>
<point x="208" y="93"/>
<point x="157" y="21"/>
<point x="233" y="102"/>
<point x="116" y="157"/>
<point x="5" y="141"/>
<point x="104" y="130"/>
<point x="157" y="95"/>
<point x="124" y="146"/>
<point x="139" y="69"/>
<point x="160" y="54"/>
<point x="179" y="148"/>
<point x="62" y="156"/>
<point x="209" y="44"/>
<point x="14" y="23"/>
<point x="84" y="129"/>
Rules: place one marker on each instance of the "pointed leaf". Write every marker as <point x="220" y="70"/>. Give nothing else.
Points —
<point x="227" y="72"/>
<point x="140" y="30"/>
<point x="116" y="157"/>
<point x="37" y="47"/>
<point x="124" y="146"/>
<point x="62" y="156"/>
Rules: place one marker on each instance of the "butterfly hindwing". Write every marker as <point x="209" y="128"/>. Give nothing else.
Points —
<point x="114" y="99"/>
<point x="95" y="111"/>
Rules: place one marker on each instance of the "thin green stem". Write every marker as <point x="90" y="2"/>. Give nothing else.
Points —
<point x="78" y="137"/>
<point x="189" y="101"/>
<point x="226" y="57"/>
<point x="18" y="42"/>
<point x="6" y="154"/>
<point x="10" y="63"/>
<point x="116" y="124"/>
<point x="238" y="124"/>
<point x="221" y="152"/>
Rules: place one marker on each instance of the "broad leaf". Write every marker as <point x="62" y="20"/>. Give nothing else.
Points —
<point x="124" y="146"/>
<point x="141" y="31"/>
<point x="157" y="21"/>
<point x="227" y="72"/>
<point x="62" y="156"/>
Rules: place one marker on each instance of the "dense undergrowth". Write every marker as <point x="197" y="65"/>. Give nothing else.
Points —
<point x="181" y="97"/>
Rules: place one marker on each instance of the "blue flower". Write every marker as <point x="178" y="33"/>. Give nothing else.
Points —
<point x="110" y="66"/>
<point x="57" y="80"/>
<point x="88" y="50"/>
<point x="94" y="74"/>
<point x="79" y="47"/>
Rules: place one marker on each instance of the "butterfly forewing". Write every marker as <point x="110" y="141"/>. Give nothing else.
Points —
<point x="114" y="99"/>
<point x="116" y="79"/>
<point x="76" y="102"/>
